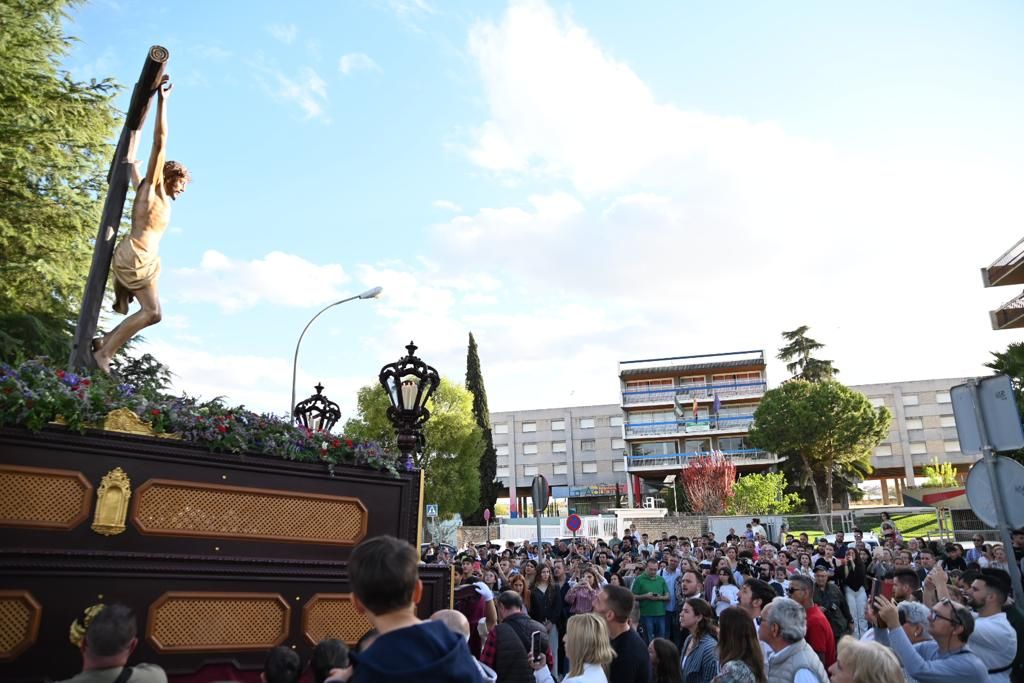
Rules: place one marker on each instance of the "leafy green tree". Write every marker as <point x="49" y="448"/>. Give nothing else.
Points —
<point x="489" y="488"/>
<point x="796" y="354"/>
<point x="762" y="494"/>
<point x="451" y="459"/>
<point x="1011" y="362"/>
<point x="826" y="426"/>
<point x="55" y="147"/>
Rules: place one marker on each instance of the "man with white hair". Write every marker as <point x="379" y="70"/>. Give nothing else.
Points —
<point x="783" y="627"/>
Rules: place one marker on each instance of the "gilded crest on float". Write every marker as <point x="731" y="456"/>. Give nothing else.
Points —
<point x="112" y="503"/>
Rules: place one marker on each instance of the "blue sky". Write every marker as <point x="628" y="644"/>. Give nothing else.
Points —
<point x="577" y="184"/>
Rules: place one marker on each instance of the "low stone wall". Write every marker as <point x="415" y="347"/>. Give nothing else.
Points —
<point x="683" y="525"/>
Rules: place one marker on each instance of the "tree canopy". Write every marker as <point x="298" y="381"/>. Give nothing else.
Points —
<point x="489" y="488"/>
<point x="451" y="459"/>
<point x="826" y="425"/>
<point x="796" y="354"/>
<point x="762" y="494"/>
<point x="55" y="135"/>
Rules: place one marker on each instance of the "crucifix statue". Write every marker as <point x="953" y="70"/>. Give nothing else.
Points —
<point x="135" y="263"/>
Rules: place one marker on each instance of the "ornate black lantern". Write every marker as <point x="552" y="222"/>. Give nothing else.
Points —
<point x="317" y="413"/>
<point x="409" y="383"/>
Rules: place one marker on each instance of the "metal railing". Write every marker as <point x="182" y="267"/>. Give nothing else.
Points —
<point x="680" y="460"/>
<point x="701" y="392"/>
<point x="721" y="423"/>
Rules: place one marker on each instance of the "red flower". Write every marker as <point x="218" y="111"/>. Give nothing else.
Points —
<point x="155" y="411"/>
<point x="85" y="382"/>
<point x="221" y="428"/>
<point x="60" y="373"/>
<point x="348" y="442"/>
<point x="335" y="443"/>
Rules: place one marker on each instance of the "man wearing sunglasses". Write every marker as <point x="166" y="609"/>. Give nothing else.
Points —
<point x="943" y="660"/>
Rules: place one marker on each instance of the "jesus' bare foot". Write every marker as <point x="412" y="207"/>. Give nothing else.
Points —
<point x="101" y="357"/>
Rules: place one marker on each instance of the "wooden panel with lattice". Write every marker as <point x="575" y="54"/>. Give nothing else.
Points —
<point x="217" y="622"/>
<point x="180" y="508"/>
<point x="43" y="498"/>
<point x="333" y="615"/>
<point x="19" y="623"/>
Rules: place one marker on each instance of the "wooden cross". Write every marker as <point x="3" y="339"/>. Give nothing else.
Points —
<point x="113" y="209"/>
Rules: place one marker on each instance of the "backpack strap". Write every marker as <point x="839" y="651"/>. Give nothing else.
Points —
<point x="126" y="673"/>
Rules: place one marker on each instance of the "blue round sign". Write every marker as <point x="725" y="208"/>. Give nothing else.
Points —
<point x="573" y="523"/>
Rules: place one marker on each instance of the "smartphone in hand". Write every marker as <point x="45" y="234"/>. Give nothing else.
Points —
<point x="535" y="652"/>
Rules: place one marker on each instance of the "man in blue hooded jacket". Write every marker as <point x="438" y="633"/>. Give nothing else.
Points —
<point x="386" y="588"/>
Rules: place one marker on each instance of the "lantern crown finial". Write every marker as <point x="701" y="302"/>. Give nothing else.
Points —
<point x="411" y="348"/>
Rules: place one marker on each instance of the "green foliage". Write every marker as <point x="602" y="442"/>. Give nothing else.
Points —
<point x="797" y="356"/>
<point x="827" y="426"/>
<point x="54" y="152"/>
<point x="1011" y="362"/>
<point x="762" y="494"/>
<point x="455" y="443"/>
<point x="489" y="488"/>
<point x="674" y="497"/>
<point x="35" y="394"/>
<point x="940" y="475"/>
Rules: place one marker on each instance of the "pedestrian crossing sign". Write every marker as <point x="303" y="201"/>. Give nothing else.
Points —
<point x="432" y="510"/>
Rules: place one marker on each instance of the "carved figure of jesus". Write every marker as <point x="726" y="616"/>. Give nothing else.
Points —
<point x="136" y="264"/>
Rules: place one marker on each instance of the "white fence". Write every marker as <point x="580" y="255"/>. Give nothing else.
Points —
<point x="594" y="527"/>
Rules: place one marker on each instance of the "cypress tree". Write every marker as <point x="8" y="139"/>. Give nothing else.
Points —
<point x="489" y="488"/>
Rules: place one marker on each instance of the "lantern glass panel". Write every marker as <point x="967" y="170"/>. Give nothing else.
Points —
<point x="410" y="392"/>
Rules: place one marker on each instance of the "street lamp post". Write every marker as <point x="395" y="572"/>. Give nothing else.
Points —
<point x="409" y="383"/>
<point x="368" y="294"/>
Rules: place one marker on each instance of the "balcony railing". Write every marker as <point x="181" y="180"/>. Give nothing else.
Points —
<point x="675" y="461"/>
<point x="723" y="423"/>
<point x="701" y="392"/>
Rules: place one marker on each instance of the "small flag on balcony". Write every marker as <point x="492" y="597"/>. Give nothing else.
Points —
<point x="694" y="408"/>
<point x="716" y="405"/>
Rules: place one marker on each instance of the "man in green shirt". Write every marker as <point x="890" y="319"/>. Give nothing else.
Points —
<point x="652" y="592"/>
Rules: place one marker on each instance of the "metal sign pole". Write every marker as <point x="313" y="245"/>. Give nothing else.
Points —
<point x="989" y="456"/>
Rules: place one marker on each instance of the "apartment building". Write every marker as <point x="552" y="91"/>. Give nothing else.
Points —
<point x="579" y="450"/>
<point x="684" y="406"/>
<point x="923" y="430"/>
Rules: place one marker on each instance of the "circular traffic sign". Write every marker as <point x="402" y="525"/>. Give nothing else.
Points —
<point x="1010" y="478"/>
<point x="573" y="523"/>
<point x="487" y="515"/>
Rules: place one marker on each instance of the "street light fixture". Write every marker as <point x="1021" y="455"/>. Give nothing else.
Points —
<point x="368" y="294"/>
<point x="317" y="413"/>
<point x="409" y="384"/>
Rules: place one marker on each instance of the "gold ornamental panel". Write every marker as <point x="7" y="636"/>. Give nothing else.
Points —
<point x="217" y="622"/>
<point x="43" y="498"/>
<point x="181" y="508"/>
<point x="333" y="615"/>
<point x="19" y="623"/>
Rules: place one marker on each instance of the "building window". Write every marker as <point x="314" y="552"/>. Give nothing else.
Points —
<point x="648" y="384"/>
<point x="529" y="449"/>
<point x="914" y="423"/>
<point x="618" y="444"/>
<point x="558" y="447"/>
<point x="530" y="470"/>
<point x="589" y="467"/>
<point x="910" y="399"/>
<point x="918" y="447"/>
<point x="615" y="421"/>
<point x="951" y="446"/>
<point x="883" y="450"/>
<point x="618" y="466"/>
<point x="588" y="445"/>
<point x="529" y="426"/>
<point x="558" y="425"/>
<point x="561" y="469"/>
<point x="877" y="402"/>
<point x="500" y="428"/>
<point x="586" y="423"/>
<point x="732" y="443"/>
<point x="501" y="472"/>
<point x="948" y="421"/>
<point x="942" y="397"/>
<point x="501" y="450"/>
<point x="655" y="448"/>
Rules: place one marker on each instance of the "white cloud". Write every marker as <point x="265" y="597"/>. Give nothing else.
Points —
<point x="285" y="33"/>
<point x="702" y="232"/>
<point x="447" y="205"/>
<point x="307" y="89"/>
<point x="356" y="61"/>
<point x="277" y="278"/>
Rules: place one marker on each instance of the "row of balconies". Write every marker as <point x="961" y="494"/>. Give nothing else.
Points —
<point x="700" y="392"/>
<point x="723" y="424"/>
<point x="677" y="461"/>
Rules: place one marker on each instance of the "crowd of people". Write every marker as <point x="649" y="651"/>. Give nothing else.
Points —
<point x="669" y="610"/>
